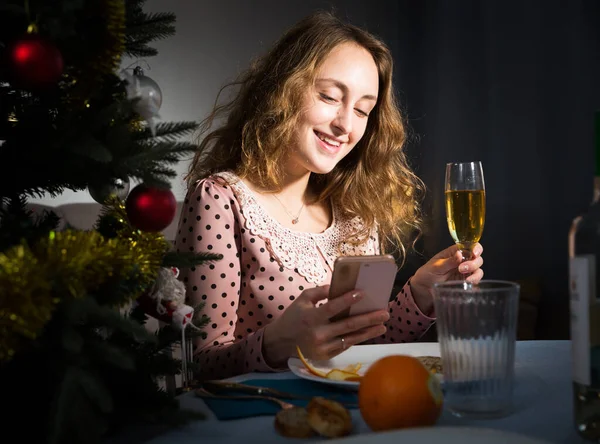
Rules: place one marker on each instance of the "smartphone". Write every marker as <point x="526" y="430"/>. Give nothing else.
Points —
<point x="374" y="275"/>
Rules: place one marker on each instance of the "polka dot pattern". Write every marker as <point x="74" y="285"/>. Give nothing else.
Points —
<point x="407" y="323"/>
<point x="249" y="288"/>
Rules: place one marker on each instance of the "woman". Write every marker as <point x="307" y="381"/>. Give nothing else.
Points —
<point x="307" y="165"/>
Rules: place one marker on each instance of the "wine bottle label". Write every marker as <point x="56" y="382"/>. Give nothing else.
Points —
<point x="582" y="270"/>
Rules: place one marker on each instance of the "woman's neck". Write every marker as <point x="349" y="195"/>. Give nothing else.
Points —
<point x="293" y="205"/>
<point x="294" y="188"/>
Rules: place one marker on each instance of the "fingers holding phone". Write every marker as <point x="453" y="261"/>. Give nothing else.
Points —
<point x="355" y="311"/>
<point x="374" y="276"/>
<point x="356" y="329"/>
<point x="357" y="307"/>
<point x="308" y="326"/>
<point x="328" y="338"/>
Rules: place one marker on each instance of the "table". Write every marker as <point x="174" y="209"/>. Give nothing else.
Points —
<point x="544" y="405"/>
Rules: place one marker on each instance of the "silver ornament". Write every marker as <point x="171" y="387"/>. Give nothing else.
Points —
<point x="117" y="187"/>
<point x="147" y="94"/>
<point x="149" y="89"/>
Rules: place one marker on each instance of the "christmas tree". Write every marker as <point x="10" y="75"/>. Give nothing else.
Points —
<point x="77" y="362"/>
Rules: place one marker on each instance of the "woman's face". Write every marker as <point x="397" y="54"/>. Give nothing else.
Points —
<point x="336" y="110"/>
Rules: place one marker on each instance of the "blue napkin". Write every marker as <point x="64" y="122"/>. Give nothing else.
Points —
<point x="225" y="409"/>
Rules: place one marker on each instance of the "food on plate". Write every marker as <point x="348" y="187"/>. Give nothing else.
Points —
<point x="397" y="392"/>
<point x="321" y="416"/>
<point x="342" y="375"/>
<point x="329" y="418"/>
<point x="353" y="368"/>
<point x="432" y="363"/>
<point x="348" y="373"/>
<point x="351" y="371"/>
<point x="293" y="423"/>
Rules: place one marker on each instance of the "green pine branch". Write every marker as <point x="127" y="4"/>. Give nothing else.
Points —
<point x="168" y="131"/>
<point x="201" y="324"/>
<point x="117" y="292"/>
<point x="143" y="28"/>
<point x="157" y="151"/>
<point x="134" y="50"/>
<point x="139" y="22"/>
<point x="153" y="175"/>
<point x="73" y="410"/>
<point x="163" y="363"/>
<point x="157" y="25"/>
<point x="188" y="259"/>
<point x="90" y="160"/>
<point x="17" y="223"/>
<point x="117" y="372"/>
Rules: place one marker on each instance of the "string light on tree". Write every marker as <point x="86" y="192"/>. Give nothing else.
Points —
<point x="150" y="208"/>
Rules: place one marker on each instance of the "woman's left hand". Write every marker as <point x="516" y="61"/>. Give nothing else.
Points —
<point x="447" y="265"/>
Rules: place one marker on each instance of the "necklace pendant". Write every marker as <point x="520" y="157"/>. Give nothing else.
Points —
<point x="295" y="221"/>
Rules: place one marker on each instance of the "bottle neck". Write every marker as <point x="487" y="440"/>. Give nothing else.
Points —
<point x="596" y="196"/>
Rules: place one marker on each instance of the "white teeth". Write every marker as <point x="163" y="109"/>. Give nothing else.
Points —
<point x="328" y="140"/>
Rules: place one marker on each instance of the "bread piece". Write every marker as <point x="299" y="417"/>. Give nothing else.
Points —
<point x="329" y="418"/>
<point x="293" y="423"/>
<point x="431" y="363"/>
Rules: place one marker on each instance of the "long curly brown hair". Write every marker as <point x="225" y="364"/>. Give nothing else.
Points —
<point x="374" y="181"/>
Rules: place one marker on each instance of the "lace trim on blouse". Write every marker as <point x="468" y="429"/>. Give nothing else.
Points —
<point x="297" y="250"/>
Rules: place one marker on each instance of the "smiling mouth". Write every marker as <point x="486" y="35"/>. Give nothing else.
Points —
<point x="330" y="145"/>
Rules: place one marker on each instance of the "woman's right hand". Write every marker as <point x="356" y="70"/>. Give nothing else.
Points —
<point x="307" y="326"/>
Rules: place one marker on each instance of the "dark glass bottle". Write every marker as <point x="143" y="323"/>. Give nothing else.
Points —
<point x="584" y="289"/>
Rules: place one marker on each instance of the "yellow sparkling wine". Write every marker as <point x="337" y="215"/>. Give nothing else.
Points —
<point x="465" y="211"/>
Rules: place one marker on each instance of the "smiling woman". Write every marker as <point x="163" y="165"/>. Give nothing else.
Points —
<point x="334" y="117"/>
<point x="307" y="165"/>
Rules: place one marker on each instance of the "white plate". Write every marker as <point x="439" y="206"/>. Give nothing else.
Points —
<point x="364" y="354"/>
<point x="446" y="435"/>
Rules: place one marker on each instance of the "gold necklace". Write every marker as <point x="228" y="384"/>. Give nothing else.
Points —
<point x="294" y="218"/>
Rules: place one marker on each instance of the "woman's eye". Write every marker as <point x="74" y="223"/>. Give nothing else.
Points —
<point x="327" y="98"/>
<point x="362" y="113"/>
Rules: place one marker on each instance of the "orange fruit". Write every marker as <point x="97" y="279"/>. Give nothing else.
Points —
<point x="398" y="392"/>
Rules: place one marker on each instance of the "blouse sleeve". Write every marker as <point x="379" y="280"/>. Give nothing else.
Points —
<point x="407" y="322"/>
<point x="209" y="223"/>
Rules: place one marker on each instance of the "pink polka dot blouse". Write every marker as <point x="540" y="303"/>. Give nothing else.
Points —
<point x="265" y="266"/>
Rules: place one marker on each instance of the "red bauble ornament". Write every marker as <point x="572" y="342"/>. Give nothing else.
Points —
<point x="150" y="209"/>
<point x="34" y="62"/>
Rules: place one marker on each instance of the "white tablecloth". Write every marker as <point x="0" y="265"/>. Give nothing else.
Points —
<point x="544" y="405"/>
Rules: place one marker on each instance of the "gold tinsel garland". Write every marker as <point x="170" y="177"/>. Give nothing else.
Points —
<point x="148" y="244"/>
<point x="109" y="58"/>
<point x="69" y="264"/>
<point x="26" y="301"/>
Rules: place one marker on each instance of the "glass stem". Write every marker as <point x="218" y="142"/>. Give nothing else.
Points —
<point x="467" y="255"/>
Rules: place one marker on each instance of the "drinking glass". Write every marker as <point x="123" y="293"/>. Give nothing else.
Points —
<point x="477" y="328"/>
<point x="465" y="204"/>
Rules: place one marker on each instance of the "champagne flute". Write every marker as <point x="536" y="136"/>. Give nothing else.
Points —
<point x="465" y="204"/>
